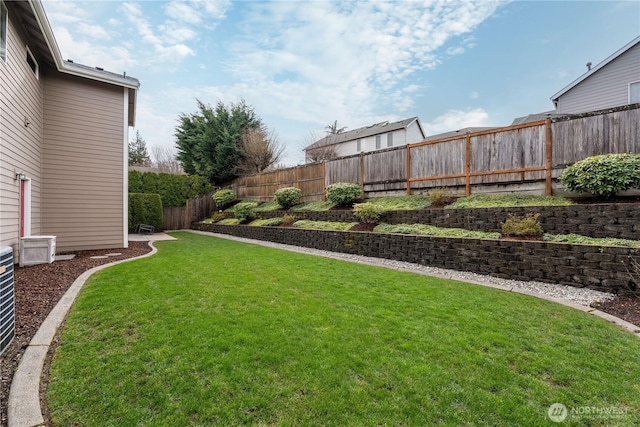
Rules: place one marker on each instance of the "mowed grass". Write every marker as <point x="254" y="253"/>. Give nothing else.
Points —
<point x="218" y="333"/>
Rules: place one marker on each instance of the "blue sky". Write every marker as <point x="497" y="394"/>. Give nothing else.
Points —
<point x="304" y="64"/>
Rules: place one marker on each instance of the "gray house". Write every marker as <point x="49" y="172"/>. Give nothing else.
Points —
<point x="613" y="82"/>
<point x="365" y="139"/>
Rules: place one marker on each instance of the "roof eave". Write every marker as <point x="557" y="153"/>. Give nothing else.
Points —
<point x="599" y="66"/>
<point x="47" y="31"/>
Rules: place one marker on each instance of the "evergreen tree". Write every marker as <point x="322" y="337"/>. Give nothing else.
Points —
<point x="209" y="141"/>
<point x="138" y="154"/>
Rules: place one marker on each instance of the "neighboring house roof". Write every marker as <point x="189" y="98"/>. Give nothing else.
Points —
<point x="364" y="132"/>
<point x="595" y="69"/>
<point x="462" y="131"/>
<point x="533" y="117"/>
<point x="36" y="24"/>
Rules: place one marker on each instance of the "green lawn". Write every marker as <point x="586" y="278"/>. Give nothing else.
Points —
<point x="218" y="333"/>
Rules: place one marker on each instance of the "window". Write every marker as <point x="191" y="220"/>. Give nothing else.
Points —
<point x="359" y="145"/>
<point x="634" y="92"/>
<point x="3" y="32"/>
<point x="390" y="140"/>
<point x="378" y="142"/>
<point x="32" y="63"/>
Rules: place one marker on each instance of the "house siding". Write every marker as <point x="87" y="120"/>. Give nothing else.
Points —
<point x="20" y="145"/>
<point x="606" y="88"/>
<point x="83" y="163"/>
<point x="413" y="134"/>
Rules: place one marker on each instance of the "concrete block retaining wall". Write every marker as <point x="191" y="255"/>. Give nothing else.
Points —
<point x="600" y="268"/>
<point x="594" y="220"/>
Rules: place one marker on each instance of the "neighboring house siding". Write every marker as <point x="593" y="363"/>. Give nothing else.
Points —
<point x="20" y="145"/>
<point x="413" y="134"/>
<point x="606" y="88"/>
<point x="83" y="163"/>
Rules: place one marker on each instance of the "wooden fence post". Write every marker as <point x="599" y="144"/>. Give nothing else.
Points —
<point x="467" y="168"/>
<point x="187" y="214"/>
<point x="362" y="174"/>
<point x="324" y="181"/>
<point x="549" y="155"/>
<point x="408" y="169"/>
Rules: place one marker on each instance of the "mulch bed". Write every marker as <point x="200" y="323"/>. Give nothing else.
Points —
<point x="37" y="290"/>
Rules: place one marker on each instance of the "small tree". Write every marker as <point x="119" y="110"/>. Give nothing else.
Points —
<point x="333" y="128"/>
<point x="165" y="160"/>
<point x="138" y="154"/>
<point x="319" y="153"/>
<point x="261" y="150"/>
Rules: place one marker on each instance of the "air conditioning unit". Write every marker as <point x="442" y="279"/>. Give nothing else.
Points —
<point x="37" y="250"/>
<point x="7" y="298"/>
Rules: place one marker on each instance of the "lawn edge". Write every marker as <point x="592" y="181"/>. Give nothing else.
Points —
<point x="23" y="406"/>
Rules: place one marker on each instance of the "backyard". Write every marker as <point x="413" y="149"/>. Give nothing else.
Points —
<point x="216" y="332"/>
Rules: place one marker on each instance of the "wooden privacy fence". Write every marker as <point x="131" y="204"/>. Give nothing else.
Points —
<point x="535" y="152"/>
<point x="179" y="218"/>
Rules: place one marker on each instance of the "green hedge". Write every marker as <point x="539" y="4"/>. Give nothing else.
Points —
<point x="145" y="209"/>
<point x="174" y="190"/>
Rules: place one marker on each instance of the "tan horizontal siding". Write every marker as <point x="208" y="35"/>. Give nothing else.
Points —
<point x="20" y="145"/>
<point x="83" y="163"/>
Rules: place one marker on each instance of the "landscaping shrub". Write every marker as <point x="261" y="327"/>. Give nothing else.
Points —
<point x="343" y="193"/>
<point x="437" y="195"/>
<point x="368" y="213"/>
<point x="223" y="198"/>
<point x="218" y="216"/>
<point x="245" y="211"/>
<point x="288" y="196"/>
<point x="529" y="225"/>
<point x="289" y="219"/>
<point x="145" y="209"/>
<point x="603" y="175"/>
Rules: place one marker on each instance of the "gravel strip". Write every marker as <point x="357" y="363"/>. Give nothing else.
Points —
<point x="581" y="296"/>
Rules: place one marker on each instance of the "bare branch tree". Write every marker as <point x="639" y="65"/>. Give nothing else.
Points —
<point x="261" y="150"/>
<point x="317" y="154"/>
<point x="165" y="160"/>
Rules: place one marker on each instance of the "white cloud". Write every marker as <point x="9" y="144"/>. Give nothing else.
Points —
<point x="181" y="11"/>
<point x="116" y="59"/>
<point x="456" y="119"/>
<point x="348" y="58"/>
<point x="474" y="94"/>
<point x="94" y="31"/>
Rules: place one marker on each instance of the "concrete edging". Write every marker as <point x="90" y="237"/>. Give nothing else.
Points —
<point x="23" y="407"/>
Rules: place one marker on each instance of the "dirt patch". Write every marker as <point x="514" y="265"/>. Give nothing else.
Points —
<point x="626" y="308"/>
<point x="363" y="227"/>
<point x="37" y="290"/>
